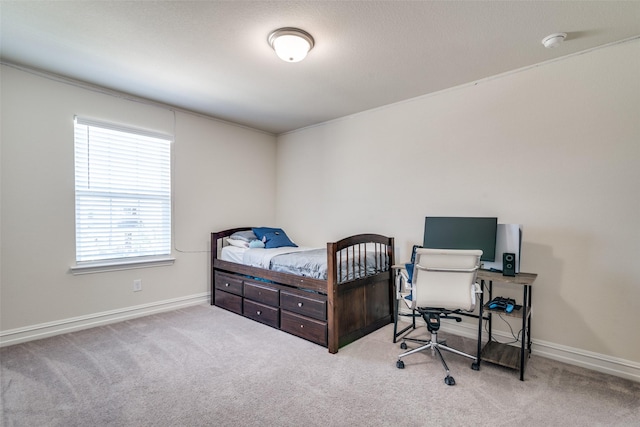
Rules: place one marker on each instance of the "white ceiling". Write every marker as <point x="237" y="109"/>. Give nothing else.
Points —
<point x="212" y="57"/>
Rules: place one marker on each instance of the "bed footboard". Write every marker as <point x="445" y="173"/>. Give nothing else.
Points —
<point x="359" y="287"/>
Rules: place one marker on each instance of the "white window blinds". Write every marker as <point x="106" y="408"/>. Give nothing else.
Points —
<point x="123" y="192"/>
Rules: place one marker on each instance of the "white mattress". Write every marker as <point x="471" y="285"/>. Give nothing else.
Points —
<point x="233" y="254"/>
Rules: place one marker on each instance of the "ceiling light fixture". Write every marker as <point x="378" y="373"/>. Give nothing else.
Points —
<point x="291" y="44"/>
<point x="553" y="40"/>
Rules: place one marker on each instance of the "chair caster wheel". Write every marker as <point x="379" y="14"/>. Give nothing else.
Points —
<point x="400" y="364"/>
<point x="475" y="366"/>
<point x="448" y="380"/>
<point x="403" y="345"/>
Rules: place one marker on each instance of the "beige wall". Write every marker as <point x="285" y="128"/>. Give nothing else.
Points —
<point x="554" y="147"/>
<point x="37" y="233"/>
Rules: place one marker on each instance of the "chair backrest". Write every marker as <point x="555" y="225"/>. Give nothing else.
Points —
<point x="445" y="278"/>
<point x="413" y="252"/>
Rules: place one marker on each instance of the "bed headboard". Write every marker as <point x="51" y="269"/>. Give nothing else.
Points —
<point x="217" y="241"/>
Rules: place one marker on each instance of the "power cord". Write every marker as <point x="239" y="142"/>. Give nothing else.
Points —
<point x="516" y="338"/>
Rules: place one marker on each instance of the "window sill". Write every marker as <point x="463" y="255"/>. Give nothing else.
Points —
<point x="115" y="265"/>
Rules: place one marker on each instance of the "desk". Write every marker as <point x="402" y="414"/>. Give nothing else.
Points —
<point x="504" y="354"/>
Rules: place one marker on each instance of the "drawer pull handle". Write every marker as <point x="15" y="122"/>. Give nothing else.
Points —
<point x="227" y="285"/>
<point x="258" y="312"/>
<point x="299" y="304"/>
<point x="302" y="326"/>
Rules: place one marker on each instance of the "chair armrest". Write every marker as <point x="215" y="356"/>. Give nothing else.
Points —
<point x="402" y="285"/>
<point x="475" y="290"/>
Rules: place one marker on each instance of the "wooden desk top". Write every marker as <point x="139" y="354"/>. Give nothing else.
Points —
<point x="518" y="279"/>
<point x="496" y="276"/>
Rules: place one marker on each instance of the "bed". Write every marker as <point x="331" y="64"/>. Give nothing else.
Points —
<point x="332" y="297"/>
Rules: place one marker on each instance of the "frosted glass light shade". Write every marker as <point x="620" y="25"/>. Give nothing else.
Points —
<point x="291" y="44"/>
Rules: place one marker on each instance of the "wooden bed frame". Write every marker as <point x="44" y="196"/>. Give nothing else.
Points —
<point x="331" y="312"/>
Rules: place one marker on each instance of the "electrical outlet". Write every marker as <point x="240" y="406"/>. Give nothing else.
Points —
<point x="137" y="285"/>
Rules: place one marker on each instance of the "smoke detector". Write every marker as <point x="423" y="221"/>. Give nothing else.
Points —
<point x="553" y="40"/>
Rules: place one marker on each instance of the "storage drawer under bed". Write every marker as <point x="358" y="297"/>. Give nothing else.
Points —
<point x="228" y="301"/>
<point x="304" y="327"/>
<point x="310" y="305"/>
<point x="228" y="283"/>
<point x="261" y="293"/>
<point x="262" y="313"/>
<point x="297" y="312"/>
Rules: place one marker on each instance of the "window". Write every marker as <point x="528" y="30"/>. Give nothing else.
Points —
<point x="123" y="193"/>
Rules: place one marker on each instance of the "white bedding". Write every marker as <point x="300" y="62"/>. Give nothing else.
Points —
<point x="306" y="261"/>
<point x="233" y="254"/>
<point x="259" y="257"/>
<point x="256" y="257"/>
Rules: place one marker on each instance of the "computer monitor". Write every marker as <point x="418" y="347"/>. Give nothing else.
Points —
<point x="450" y="232"/>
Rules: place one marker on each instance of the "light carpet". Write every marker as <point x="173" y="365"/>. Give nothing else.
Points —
<point x="204" y="366"/>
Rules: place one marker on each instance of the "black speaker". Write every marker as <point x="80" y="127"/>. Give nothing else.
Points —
<point x="508" y="264"/>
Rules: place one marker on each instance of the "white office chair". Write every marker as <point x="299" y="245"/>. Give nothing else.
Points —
<point x="443" y="283"/>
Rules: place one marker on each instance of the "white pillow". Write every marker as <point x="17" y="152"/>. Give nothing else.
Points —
<point x="238" y="243"/>
<point x="246" y="235"/>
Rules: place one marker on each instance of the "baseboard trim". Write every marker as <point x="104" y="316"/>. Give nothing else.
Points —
<point x="595" y="361"/>
<point x="44" y="330"/>
<point x="573" y="356"/>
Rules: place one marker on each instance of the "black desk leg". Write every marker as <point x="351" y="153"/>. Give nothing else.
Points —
<point x="529" y="320"/>
<point x="524" y="331"/>
<point x="480" y="322"/>
<point x="489" y="316"/>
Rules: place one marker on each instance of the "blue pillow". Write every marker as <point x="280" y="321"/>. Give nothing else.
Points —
<point x="261" y="231"/>
<point x="277" y="239"/>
